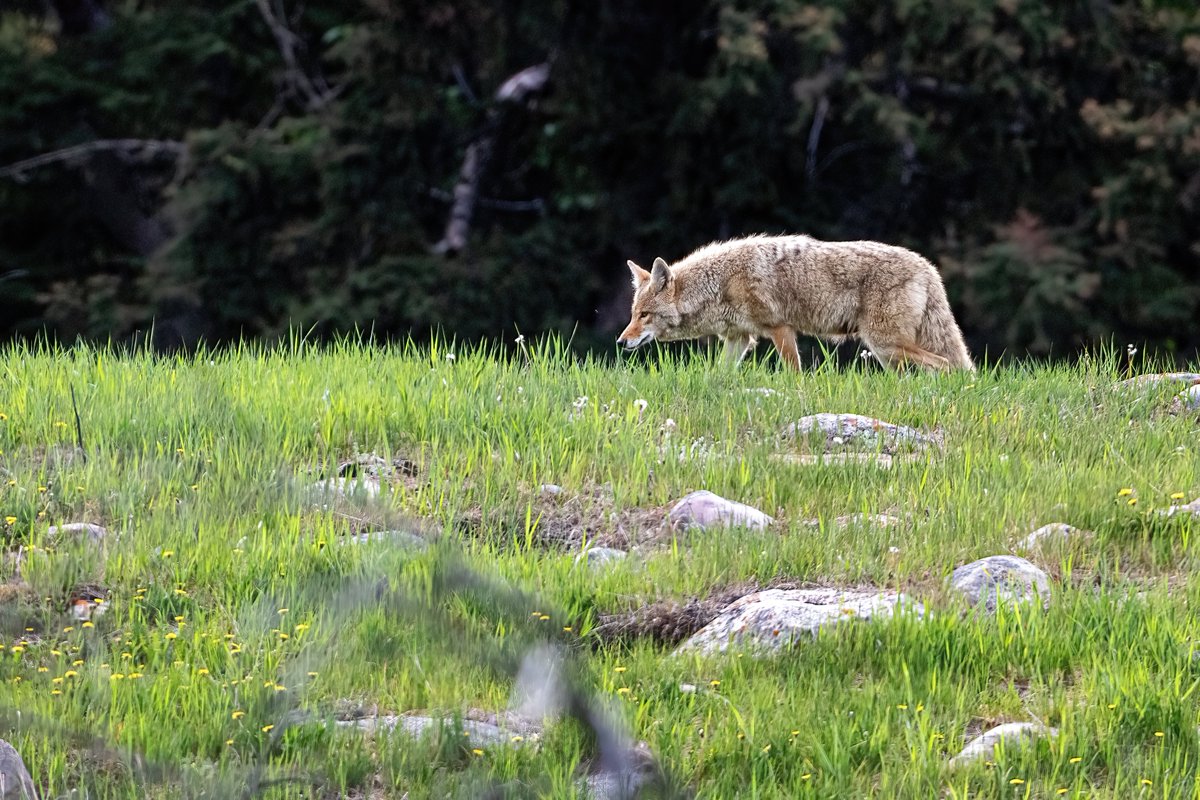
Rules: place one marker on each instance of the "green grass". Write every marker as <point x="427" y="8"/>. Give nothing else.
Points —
<point x="198" y="466"/>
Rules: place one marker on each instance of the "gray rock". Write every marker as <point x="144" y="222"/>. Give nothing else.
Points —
<point x="775" y="618"/>
<point x="357" y="488"/>
<point x="881" y="460"/>
<point x="94" y="533"/>
<point x="704" y="509"/>
<point x="401" y="539"/>
<point x="1158" y="378"/>
<point x="505" y="730"/>
<point x="1192" y="508"/>
<point x="551" y="489"/>
<point x="597" y="557"/>
<point x="637" y="771"/>
<point x="1190" y="397"/>
<point x="15" y="781"/>
<point x="1054" y="532"/>
<point x="1013" y="734"/>
<point x="860" y="520"/>
<point x="843" y="429"/>
<point x="995" y="579"/>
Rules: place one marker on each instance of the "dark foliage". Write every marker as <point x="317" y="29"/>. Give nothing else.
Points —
<point x="1046" y="155"/>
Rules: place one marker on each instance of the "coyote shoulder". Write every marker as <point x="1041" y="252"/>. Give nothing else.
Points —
<point x="890" y="298"/>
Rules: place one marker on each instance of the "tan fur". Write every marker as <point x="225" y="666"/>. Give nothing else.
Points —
<point x="777" y="286"/>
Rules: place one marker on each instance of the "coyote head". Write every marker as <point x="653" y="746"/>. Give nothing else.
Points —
<point x="655" y="314"/>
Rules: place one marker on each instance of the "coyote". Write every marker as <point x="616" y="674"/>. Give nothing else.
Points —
<point x="889" y="297"/>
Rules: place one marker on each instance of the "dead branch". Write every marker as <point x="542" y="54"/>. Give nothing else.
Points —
<point x="312" y="90"/>
<point x="132" y="149"/>
<point x="516" y="90"/>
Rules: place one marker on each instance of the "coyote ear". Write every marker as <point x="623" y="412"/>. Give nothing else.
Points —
<point x="640" y="275"/>
<point x="660" y="276"/>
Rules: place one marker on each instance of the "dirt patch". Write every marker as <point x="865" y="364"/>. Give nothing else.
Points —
<point x="565" y="522"/>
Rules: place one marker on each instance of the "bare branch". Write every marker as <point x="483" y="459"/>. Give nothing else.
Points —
<point x="516" y="89"/>
<point x="537" y="204"/>
<point x="313" y="91"/>
<point x="138" y="149"/>
<point x="814" y="136"/>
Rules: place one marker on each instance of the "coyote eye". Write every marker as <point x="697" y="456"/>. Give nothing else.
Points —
<point x="645" y="315"/>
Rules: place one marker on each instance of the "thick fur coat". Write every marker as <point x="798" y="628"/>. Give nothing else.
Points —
<point x="890" y="298"/>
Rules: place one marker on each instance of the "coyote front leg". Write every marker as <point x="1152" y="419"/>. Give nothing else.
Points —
<point x="784" y="337"/>
<point x="737" y="346"/>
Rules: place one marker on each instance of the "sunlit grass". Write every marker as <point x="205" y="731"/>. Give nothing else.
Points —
<point x="221" y="572"/>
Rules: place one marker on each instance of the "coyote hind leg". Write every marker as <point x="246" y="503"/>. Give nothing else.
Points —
<point x="895" y="356"/>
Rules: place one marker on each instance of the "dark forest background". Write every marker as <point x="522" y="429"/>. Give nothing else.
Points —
<point x="237" y="168"/>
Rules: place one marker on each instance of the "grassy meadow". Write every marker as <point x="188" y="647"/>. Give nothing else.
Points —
<point x="234" y="600"/>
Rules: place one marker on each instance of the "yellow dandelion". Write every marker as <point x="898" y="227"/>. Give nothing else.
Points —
<point x="279" y="687"/>
<point x="1132" y="501"/>
<point x="518" y="738"/>
<point x="624" y="690"/>
<point x="795" y="733"/>
<point x="806" y="776"/>
<point x="544" y="617"/>
<point x="116" y="676"/>
<point x="1111" y="706"/>
<point x="179" y="619"/>
<point x="1062" y="790"/>
<point x="56" y="680"/>
<point x="1125" y="492"/>
<point x="1017" y="781"/>
<point x="168" y="553"/>
<point x="10" y="520"/>
<point x="619" y="669"/>
<point x="1177" y="495"/>
<point x="238" y="714"/>
<point x="76" y="663"/>
<point x="567" y="628"/>
<point x="70" y="673"/>
<point x="920" y="707"/>
<point x="181" y="592"/>
<point x="714" y="683"/>
<point x="1159" y="734"/>
<point x="133" y="676"/>
<point x="18" y="648"/>
<point x="3" y="416"/>
<point x="477" y="751"/>
<point x="303" y="626"/>
<point x="60" y="424"/>
<point x="55" y="691"/>
<point x="1075" y="759"/>
<point x="42" y="489"/>
<point x="43" y="669"/>
<point x="266" y="728"/>
<point x="171" y="635"/>
<point x="202" y="671"/>
<point x="283" y="636"/>
<point x="1147" y="782"/>
<point x="312" y="674"/>
<point x="229" y="742"/>
<point x="902" y="706"/>
<point x="766" y="748"/>
<point x="88" y="624"/>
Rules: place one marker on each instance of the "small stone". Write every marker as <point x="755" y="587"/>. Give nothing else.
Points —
<point x="1055" y="531"/>
<point x="703" y="509"/>
<point x="15" y="781"/>
<point x="840" y="429"/>
<point x="1013" y="734"/>
<point x="94" y="533"/>
<point x="1190" y="397"/>
<point x="596" y="557"/>
<point x="401" y="539"/>
<point x="551" y="489"/>
<point x="687" y="688"/>
<point x="1000" y="578"/>
<point x="356" y="488"/>
<point x="775" y="618"/>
